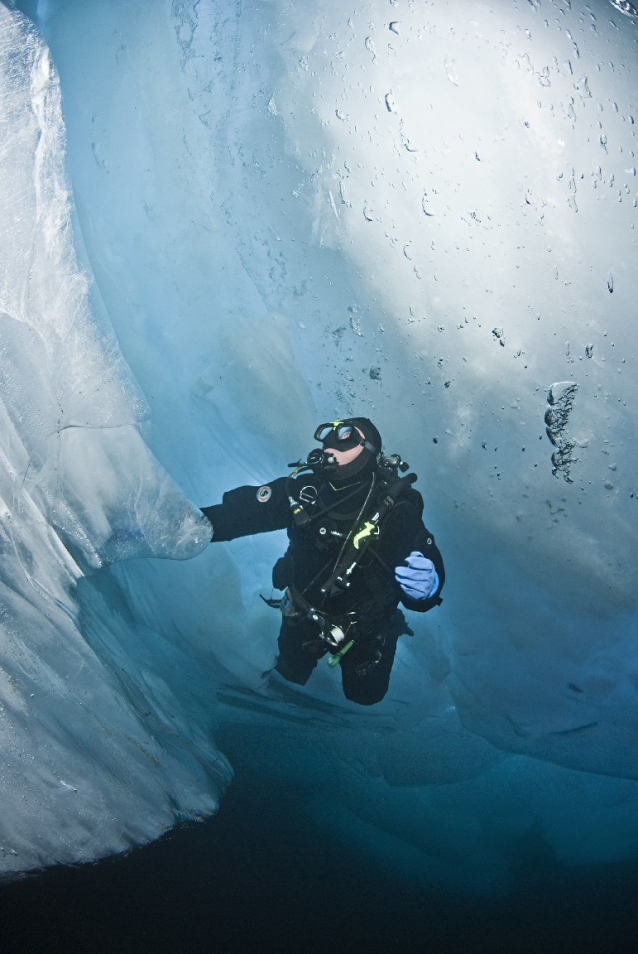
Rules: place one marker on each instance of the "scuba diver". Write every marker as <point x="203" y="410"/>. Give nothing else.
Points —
<point x="358" y="546"/>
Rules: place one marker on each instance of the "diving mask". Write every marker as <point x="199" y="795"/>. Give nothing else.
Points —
<point x="342" y="436"/>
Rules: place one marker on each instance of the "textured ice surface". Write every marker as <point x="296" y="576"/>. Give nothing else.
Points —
<point x="291" y="212"/>
<point x="85" y="771"/>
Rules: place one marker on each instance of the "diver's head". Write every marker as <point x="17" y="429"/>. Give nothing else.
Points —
<point x="350" y="447"/>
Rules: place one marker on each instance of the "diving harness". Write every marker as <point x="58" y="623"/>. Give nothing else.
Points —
<point x="338" y="633"/>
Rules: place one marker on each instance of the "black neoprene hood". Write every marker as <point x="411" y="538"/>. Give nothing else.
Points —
<point x="367" y="459"/>
<point x="366" y="427"/>
<point x="369" y="430"/>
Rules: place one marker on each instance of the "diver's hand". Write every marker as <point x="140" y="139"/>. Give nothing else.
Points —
<point x="418" y="580"/>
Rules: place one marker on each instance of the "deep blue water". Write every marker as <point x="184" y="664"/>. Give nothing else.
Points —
<point x="255" y="879"/>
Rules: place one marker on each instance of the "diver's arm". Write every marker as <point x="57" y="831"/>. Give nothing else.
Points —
<point x="247" y="510"/>
<point x="416" y="559"/>
<point x="421" y="573"/>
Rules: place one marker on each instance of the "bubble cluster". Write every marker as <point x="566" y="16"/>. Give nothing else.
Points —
<point x="560" y="400"/>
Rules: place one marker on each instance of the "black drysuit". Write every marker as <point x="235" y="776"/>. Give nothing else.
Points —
<point x="373" y="595"/>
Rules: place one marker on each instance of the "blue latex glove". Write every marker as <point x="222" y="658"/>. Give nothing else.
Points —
<point x="418" y="580"/>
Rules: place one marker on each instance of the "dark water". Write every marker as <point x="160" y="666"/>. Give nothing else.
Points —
<point x="255" y="879"/>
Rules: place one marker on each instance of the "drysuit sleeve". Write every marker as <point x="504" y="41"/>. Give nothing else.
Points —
<point x="424" y="543"/>
<point x="247" y="510"/>
<point x="407" y="532"/>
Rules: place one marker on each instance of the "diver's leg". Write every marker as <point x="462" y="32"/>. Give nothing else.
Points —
<point x="299" y="649"/>
<point x="366" y="668"/>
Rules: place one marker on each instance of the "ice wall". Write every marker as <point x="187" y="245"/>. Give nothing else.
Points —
<point x="85" y="770"/>
<point x="424" y="210"/>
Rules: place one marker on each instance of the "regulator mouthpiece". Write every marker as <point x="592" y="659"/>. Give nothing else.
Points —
<point x="321" y="461"/>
